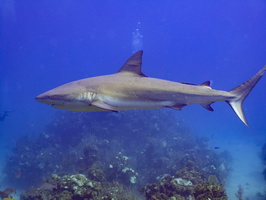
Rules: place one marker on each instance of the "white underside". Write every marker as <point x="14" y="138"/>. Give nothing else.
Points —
<point x="135" y="104"/>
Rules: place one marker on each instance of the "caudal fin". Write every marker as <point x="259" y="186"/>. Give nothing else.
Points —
<point x="241" y="92"/>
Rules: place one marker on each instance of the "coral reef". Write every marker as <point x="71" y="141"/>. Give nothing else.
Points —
<point x="185" y="185"/>
<point x="78" y="187"/>
<point x="66" y="187"/>
<point x="132" y="148"/>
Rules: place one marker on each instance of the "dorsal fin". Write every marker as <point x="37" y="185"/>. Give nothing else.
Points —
<point x="133" y="64"/>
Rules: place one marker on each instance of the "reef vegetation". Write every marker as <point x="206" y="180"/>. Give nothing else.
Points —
<point x="117" y="154"/>
<point x="263" y="158"/>
<point x="7" y="193"/>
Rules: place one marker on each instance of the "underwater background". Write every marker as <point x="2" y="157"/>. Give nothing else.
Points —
<point x="44" y="44"/>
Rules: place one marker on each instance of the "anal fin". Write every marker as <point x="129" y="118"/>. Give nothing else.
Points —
<point x="207" y="106"/>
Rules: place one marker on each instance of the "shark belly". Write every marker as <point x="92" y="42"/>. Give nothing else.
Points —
<point x="135" y="103"/>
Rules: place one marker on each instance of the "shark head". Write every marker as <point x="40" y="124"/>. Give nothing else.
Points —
<point x="87" y="94"/>
<point x="71" y="96"/>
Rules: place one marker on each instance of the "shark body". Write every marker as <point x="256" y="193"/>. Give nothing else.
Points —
<point x="130" y="89"/>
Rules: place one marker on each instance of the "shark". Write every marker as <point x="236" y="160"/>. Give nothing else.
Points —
<point x="130" y="89"/>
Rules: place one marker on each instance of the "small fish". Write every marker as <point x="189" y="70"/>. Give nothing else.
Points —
<point x="216" y="147"/>
<point x="48" y="186"/>
<point x="32" y="192"/>
<point x="18" y="173"/>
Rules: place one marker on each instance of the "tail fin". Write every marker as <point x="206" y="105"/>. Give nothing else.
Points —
<point x="241" y="92"/>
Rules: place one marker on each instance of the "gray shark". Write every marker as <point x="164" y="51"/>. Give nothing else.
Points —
<point x="130" y="89"/>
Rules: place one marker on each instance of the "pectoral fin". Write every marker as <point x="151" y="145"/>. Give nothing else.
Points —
<point x="104" y="106"/>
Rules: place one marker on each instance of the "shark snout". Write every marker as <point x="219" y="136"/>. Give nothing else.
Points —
<point x="50" y="99"/>
<point x="54" y="98"/>
<point x="44" y="99"/>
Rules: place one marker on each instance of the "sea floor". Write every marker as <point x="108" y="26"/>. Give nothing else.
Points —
<point x="247" y="171"/>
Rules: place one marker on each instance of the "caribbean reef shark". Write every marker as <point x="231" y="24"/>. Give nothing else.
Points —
<point x="130" y="89"/>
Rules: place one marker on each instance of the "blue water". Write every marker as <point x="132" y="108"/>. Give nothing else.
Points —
<point x="44" y="44"/>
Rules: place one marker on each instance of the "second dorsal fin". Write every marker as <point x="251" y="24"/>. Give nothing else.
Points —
<point x="206" y="83"/>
